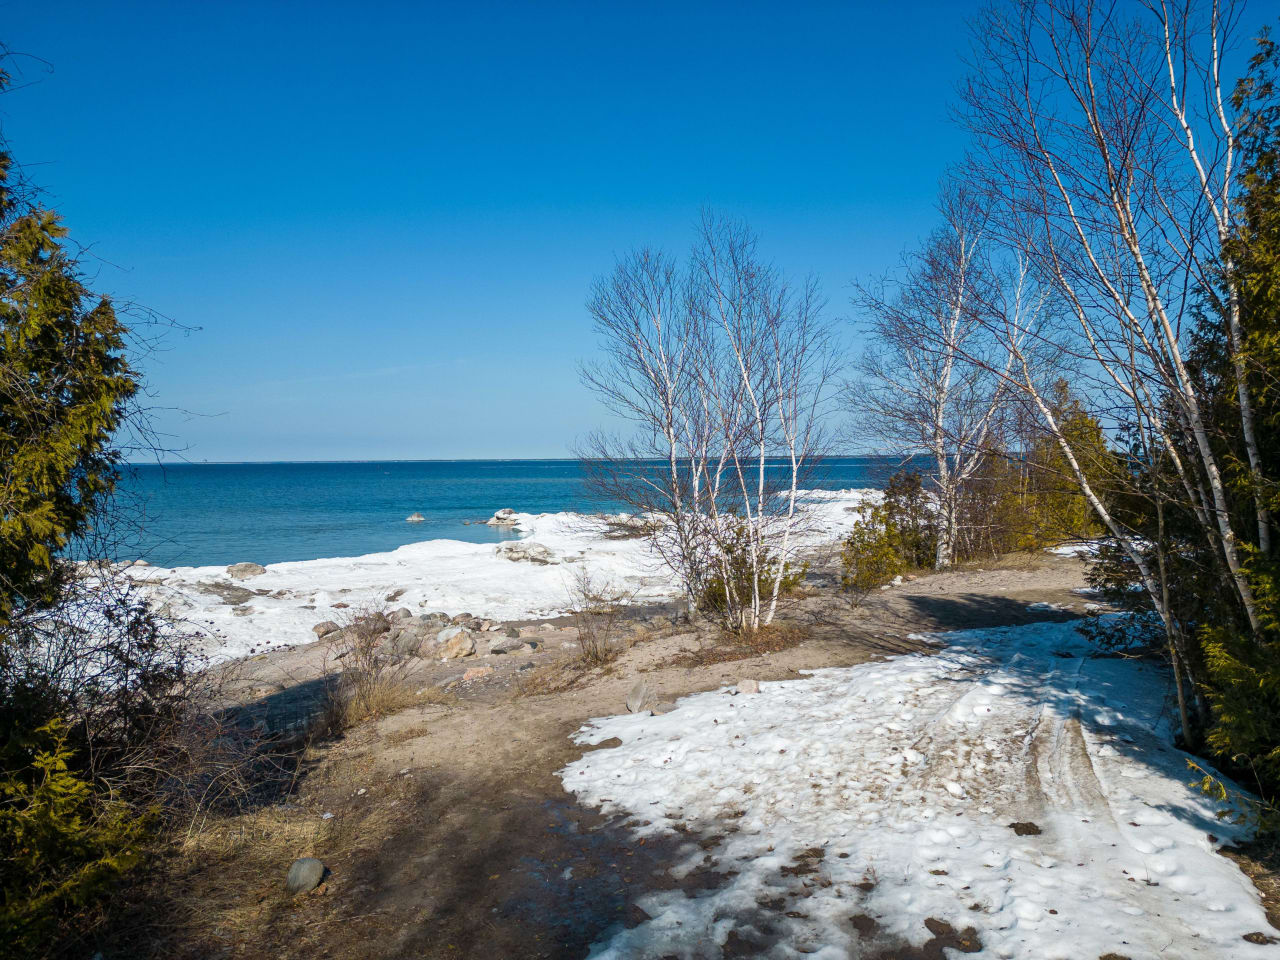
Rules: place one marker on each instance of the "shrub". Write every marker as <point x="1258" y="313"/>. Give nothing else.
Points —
<point x="598" y="609"/>
<point x="727" y="591"/>
<point x="911" y="514"/>
<point x="62" y="845"/>
<point x="371" y="683"/>
<point x="870" y="557"/>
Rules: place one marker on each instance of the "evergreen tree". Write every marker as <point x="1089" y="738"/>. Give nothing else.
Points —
<point x="64" y="386"/>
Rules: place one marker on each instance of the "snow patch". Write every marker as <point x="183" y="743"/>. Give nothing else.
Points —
<point x="1012" y="785"/>
<point x="279" y="607"/>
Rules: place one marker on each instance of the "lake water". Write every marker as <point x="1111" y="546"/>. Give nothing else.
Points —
<point x="198" y="514"/>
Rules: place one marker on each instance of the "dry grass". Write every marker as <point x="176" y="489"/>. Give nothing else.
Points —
<point x="554" y="678"/>
<point x="370" y="683"/>
<point x="1260" y="862"/>
<point x="436" y="696"/>
<point x="729" y="647"/>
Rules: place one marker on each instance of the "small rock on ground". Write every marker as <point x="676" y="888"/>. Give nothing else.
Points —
<point x="305" y="874"/>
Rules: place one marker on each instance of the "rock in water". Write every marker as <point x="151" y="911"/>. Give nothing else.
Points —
<point x="506" y="517"/>
<point x="414" y="518"/>
<point x="304" y="874"/>
<point x="640" y="695"/>
<point x="455" y="642"/>
<point x="242" y="571"/>
<point x="749" y="686"/>
<point x="404" y="613"/>
<point x="323" y="630"/>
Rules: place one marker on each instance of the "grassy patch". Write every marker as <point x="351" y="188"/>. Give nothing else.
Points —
<point x="728" y="647"/>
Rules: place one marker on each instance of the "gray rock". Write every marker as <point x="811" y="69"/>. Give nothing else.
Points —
<point x="658" y="709"/>
<point x="527" y="551"/>
<point x="405" y="640"/>
<point x="506" y="517"/>
<point x="639" y="696"/>
<point x="506" y="644"/>
<point x="461" y="618"/>
<point x="453" y="643"/>
<point x="305" y="874"/>
<point x="414" y="518"/>
<point x="512" y="631"/>
<point x="404" y="613"/>
<point x="325" y="629"/>
<point x="242" y="571"/>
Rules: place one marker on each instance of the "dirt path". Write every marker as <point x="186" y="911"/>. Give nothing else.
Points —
<point x="451" y="834"/>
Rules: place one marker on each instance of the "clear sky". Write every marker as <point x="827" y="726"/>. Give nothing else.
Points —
<point x="382" y="219"/>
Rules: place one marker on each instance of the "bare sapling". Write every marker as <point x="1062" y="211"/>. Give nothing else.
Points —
<point x="599" y="612"/>
<point x="367" y="680"/>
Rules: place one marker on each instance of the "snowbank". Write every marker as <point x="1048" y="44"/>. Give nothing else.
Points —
<point x="279" y="607"/>
<point x="1010" y="787"/>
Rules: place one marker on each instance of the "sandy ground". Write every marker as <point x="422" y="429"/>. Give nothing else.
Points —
<point x="451" y="834"/>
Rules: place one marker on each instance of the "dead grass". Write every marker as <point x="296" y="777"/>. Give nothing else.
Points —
<point x="729" y="647"/>
<point x="556" y="678"/>
<point x="1260" y="862"/>
<point x="436" y="696"/>
<point x="370" y="682"/>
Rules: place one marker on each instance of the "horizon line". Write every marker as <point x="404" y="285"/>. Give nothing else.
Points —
<point x="240" y="463"/>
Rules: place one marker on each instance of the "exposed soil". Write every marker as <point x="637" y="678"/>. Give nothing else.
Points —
<point x="451" y="834"/>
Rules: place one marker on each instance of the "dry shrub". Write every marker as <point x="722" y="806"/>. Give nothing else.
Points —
<point x="598" y="609"/>
<point x="370" y="680"/>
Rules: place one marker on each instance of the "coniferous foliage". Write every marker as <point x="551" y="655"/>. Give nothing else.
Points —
<point x="64" y="384"/>
<point x="91" y="680"/>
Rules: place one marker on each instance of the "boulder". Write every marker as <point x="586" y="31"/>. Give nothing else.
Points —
<point x="305" y="875"/>
<point x="453" y="643"/>
<point x="639" y="696"/>
<point x="414" y="518"/>
<point x="506" y="644"/>
<point x="506" y="517"/>
<point x="461" y="618"/>
<point x="749" y="685"/>
<point x="327" y="628"/>
<point x="242" y="571"/>
<point x="527" y="551"/>
<point x="405" y="639"/>
<point x="404" y="613"/>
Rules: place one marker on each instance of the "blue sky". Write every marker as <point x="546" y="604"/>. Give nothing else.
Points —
<point x="383" y="218"/>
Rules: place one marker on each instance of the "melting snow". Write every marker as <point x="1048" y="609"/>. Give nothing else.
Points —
<point x="279" y="608"/>
<point x="846" y="809"/>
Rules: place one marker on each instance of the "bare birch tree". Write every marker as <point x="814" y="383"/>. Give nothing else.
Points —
<point x="928" y="380"/>
<point x="1107" y="151"/>
<point x="722" y="368"/>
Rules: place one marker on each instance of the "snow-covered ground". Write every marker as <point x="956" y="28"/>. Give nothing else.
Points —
<point x="279" y="607"/>
<point x="848" y="808"/>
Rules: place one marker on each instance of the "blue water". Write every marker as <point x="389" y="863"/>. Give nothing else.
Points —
<point x="198" y="514"/>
